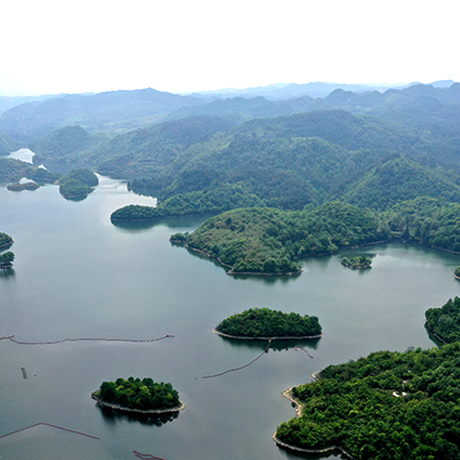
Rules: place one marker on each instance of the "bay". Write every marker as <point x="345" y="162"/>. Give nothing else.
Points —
<point x="78" y="276"/>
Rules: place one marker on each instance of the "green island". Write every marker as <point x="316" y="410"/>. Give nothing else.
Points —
<point x="263" y="323"/>
<point x="78" y="184"/>
<point x="389" y="405"/>
<point x="5" y="240"/>
<point x="457" y="273"/>
<point x="19" y="187"/>
<point x="444" y="322"/>
<point x="6" y="258"/>
<point x="136" y="396"/>
<point x="357" y="262"/>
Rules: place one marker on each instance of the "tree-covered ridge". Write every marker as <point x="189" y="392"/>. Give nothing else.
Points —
<point x="191" y="204"/>
<point x="428" y="222"/>
<point x="396" y="179"/>
<point x="7" y="144"/>
<point x="266" y="240"/>
<point x="139" y="394"/>
<point x="263" y="322"/>
<point x="388" y="406"/>
<point x="445" y="321"/>
<point x="64" y="144"/>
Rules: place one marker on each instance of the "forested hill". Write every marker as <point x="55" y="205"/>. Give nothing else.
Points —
<point x="7" y="144"/>
<point x="289" y="162"/>
<point x="102" y="111"/>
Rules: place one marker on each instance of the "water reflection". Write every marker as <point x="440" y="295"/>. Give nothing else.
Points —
<point x="112" y="417"/>
<point x="8" y="273"/>
<point x="276" y="345"/>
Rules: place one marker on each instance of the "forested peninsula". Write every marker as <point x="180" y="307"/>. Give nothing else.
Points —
<point x="444" y="322"/>
<point x="270" y="241"/>
<point x="390" y="405"/>
<point x="266" y="324"/>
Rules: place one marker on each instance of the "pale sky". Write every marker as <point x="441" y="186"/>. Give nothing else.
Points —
<point x="68" y="46"/>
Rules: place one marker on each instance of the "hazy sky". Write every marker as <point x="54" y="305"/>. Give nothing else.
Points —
<point x="49" y="46"/>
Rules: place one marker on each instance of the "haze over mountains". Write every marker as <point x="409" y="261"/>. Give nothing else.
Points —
<point x="370" y="148"/>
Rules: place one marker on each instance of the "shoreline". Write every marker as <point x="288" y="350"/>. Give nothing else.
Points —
<point x="231" y="270"/>
<point x="236" y="337"/>
<point x="127" y="410"/>
<point x="288" y="395"/>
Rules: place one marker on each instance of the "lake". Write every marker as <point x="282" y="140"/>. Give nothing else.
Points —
<point x="78" y="276"/>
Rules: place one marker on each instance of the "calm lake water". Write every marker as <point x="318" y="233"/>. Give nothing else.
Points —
<point x="78" y="276"/>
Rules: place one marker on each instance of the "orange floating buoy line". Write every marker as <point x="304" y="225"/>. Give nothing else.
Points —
<point x="146" y="456"/>
<point x="86" y="339"/>
<point x="303" y="349"/>
<point x="241" y="367"/>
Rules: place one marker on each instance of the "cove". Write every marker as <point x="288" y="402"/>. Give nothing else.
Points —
<point x="78" y="276"/>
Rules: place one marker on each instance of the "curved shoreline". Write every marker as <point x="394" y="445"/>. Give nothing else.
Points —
<point x="127" y="410"/>
<point x="238" y="337"/>
<point x="288" y="394"/>
<point x="231" y="270"/>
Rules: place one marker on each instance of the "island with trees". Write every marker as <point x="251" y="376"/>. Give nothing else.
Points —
<point x="6" y="257"/>
<point x="138" y="397"/>
<point x="444" y="322"/>
<point x="78" y="184"/>
<point x="390" y="405"/>
<point x="357" y="262"/>
<point x="457" y="273"/>
<point x="267" y="324"/>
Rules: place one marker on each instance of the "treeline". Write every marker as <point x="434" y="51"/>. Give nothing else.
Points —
<point x="445" y="321"/>
<point x="139" y="394"/>
<point x="389" y="405"/>
<point x="192" y="204"/>
<point x="263" y="322"/>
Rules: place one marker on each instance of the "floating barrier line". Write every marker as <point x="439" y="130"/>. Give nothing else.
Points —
<point x="303" y="349"/>
<point x="241" y="367"/>
<point x="146" y="456"/>
<point x="52" y="426"/>
<point x="85" y="339"/>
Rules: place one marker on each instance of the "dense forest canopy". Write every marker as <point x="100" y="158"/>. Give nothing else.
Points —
<point x="444" y="322"/>
<point x="263" y="322"/>
<point x="267" y="240"/>
<point x="387" y="406"/>
<point x="135" y="393"/>
<point x="77" y="184"/>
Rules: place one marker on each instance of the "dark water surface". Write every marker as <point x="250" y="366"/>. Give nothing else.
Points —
<point x="78" y="276"/>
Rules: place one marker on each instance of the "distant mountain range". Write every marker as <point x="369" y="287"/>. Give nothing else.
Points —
<point x="121" y="111"/>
